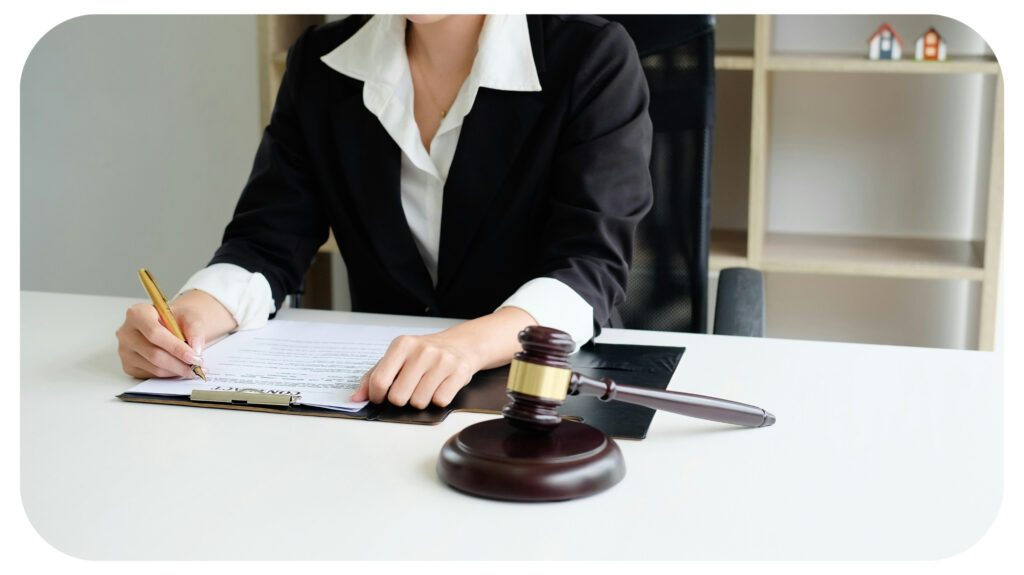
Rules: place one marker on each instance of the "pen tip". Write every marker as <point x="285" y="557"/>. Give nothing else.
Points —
<point x="199" y="371"/>
<point x="769" y="419"/>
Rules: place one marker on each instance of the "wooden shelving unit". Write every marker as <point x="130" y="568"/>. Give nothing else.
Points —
<point x="726" y="61"/>
<point x="887" y="257"/>
<point x="760" y="248"/>
<point x="849" y="64"/>
<point x="872" y="256"/>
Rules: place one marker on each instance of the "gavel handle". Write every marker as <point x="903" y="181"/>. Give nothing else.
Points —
<point x="699" y="406"/>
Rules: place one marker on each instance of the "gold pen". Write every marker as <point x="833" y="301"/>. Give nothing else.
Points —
<point x="160" y="303"/>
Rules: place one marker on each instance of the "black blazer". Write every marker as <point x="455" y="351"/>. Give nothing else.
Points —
<point x="543" y="184"/>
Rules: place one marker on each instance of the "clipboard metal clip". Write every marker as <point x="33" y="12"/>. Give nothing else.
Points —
<point x="245" y="397"/>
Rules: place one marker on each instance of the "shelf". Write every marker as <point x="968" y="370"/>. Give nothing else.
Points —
<point x="823" y="63"/>
<point x="861" y="64"/>
<point x="731" y="61"/>
<point x="873" y="256"/>
<point x="728" y="249"/>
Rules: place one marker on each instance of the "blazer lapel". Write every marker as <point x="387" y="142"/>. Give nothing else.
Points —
<point x="492" y="135"/>
<point x="372" y="167"/>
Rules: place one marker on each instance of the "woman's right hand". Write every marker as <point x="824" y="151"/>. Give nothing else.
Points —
<point x="148" y="349"/>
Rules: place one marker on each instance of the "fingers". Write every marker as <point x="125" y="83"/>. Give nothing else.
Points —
<point x="193" y="331"/>
<point x="445" y="392"/>
<point x="423" y="391"/>
<point x="362" y="393"/>
<point x="148" y="349"/>
<point x="416" y="370"/>
<point x="141" y="359"/>
<point x="380" y="378"/>
<point x="136" y="365"/>
<point x="419" y="370"/>
<point x="440" y="385"/>
<point x="147" y="323"/>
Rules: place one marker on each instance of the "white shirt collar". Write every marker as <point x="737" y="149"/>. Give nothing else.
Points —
<point x="375" y="54"/>
<point x="504" y="59"/>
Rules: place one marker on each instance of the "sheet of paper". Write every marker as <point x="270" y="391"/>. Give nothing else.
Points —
<point x="321" y="362"/>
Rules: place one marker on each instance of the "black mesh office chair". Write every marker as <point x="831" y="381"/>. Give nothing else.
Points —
<point x="668" y="285"/>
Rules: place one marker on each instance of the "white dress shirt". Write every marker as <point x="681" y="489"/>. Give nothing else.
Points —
<point x="376" y="55"/>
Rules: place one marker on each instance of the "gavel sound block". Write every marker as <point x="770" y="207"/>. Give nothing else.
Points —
<point x="532" y="454"/>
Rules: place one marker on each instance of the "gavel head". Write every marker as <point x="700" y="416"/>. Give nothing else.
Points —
<point x="538" y="380"/>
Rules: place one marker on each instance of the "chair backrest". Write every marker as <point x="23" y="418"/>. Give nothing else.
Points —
<point x="668" y="284"/>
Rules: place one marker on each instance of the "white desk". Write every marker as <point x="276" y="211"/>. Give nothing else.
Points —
<point x="879" y="453"/>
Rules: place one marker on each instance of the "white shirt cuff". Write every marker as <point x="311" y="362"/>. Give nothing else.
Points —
<point x="555" y="304"/>
<point x="245" y="294"/>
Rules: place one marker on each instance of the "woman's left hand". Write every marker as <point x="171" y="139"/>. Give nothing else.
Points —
<point x="424" y="369"/>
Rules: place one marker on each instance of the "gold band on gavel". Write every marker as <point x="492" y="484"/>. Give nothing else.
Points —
<point x="539" y="380"/>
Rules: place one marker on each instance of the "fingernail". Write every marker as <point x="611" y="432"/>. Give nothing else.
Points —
<point x="194" y="356"/>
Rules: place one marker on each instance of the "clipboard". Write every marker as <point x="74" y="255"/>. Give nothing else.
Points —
<point x="640" y="365"/>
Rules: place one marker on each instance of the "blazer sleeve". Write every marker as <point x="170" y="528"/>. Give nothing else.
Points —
<point x="279" y="223"/>
<point x="601" y="184"/>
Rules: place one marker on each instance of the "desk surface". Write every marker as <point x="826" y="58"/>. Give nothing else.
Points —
<point x="879" y="453"/>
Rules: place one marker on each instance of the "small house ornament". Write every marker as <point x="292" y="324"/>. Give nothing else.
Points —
<point x="930" y="46"/>
<point x="885" y="44"/>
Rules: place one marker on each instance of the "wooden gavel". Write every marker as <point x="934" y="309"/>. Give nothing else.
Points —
<point x="541" y="378"/>
<point x="533" y="455"/>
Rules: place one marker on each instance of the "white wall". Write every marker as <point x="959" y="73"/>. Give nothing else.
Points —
<point x="137" y="135"/>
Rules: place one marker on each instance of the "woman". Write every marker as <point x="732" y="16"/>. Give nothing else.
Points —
<point x="487" y="168"/>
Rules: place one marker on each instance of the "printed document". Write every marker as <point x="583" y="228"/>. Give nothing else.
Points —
<point x="319" y="362"/>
